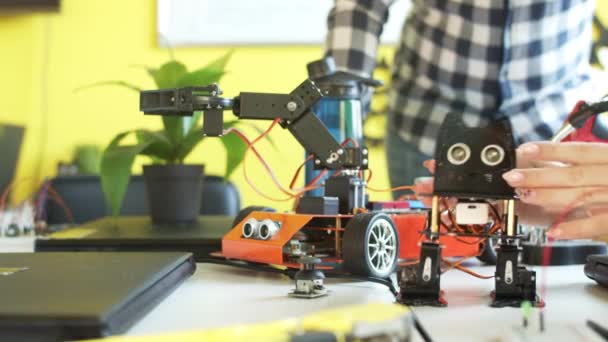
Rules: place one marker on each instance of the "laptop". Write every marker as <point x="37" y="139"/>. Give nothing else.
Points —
<point x="72" y="296"/>
<point x="596" y="268"/>
<point x="138" y="233"/>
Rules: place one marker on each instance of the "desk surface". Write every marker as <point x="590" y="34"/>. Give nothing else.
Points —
<point x="217" y="296"/>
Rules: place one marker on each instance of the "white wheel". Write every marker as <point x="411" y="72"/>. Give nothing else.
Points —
<point x="371" y="245"/>
<point x="382" y="246"/>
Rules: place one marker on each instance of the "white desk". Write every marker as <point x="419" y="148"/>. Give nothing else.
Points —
<point x="217" y="296"/>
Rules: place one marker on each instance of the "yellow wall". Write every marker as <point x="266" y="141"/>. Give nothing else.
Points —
<point x="46" y="56"/>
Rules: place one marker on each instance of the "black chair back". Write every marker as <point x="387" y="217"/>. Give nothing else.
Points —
<point x="82" y="194"/>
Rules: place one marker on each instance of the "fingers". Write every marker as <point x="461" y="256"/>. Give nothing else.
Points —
<point x="581" y="229"/>
<point x="560" y="177"/>
<point x="430" y="165"/>
<point x="597" y="210"/>
<point x="423" y="188"/>
<point x="575" y="153"/>
<point x="533" y="215"/>
<point x="558" y="198"/>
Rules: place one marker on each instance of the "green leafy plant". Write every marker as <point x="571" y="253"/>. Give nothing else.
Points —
<point x="87" y="158"/>
<point x="177" y="139"/>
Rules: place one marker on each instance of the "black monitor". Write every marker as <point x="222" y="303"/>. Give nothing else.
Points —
<point x="11" y="138"/>
<point x="28" y="6"/>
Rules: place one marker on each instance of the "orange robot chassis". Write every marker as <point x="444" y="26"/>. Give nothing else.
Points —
<point x="367" y="244"/>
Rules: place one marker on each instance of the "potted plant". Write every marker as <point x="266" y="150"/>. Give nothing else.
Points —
<point x="174" y="188"/>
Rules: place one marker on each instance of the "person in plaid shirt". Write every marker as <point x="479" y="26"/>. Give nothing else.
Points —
<point x="527" y="60"/>
<point x="524" y="59"/>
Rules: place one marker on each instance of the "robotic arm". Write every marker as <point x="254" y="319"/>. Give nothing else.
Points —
<point x="294" y="111"/>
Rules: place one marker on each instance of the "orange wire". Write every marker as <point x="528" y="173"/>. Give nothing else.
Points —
<point x="369" y="176"/>
<point x="249" y="146"/>
<point x="297" y="173"/>
<point x="260" y="158"/>
<point x="268" y="169"/>
<point x="453" y="265"/>
<point x="311" y="186"/>
<point x="322" y="173"/>
<point x="403" y="187"/>
<point x="298" y="170"/>
<point x="456" y="265"/>
<point x="474" y="274"/>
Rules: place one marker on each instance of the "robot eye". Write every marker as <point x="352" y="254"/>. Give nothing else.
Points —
<point x="459" y="153"/>
<point x="492" y="155"/>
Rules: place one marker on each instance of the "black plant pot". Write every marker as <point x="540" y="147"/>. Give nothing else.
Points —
<point x="174" y="192"/>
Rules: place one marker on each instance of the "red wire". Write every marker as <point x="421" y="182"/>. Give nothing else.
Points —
<point x="268" y="169"/>
<point x="547" y="250"/>
<point x="322" y="173"/>
<point x="4" y="196"/>
<point x="351" y="140"/>
<point x="62" y="204"/>
<point x="249" y="146"/>
<point x="7" y="190"/>
<point x="297" y="174"/>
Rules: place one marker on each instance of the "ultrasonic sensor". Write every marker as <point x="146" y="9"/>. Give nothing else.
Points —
<point x="268" y="228"/>
<point x="459" y="153"/>
<point x="250" y="228"/>
<point x="492" y="155"/>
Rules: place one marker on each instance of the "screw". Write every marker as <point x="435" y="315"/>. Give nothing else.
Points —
<point x="172" y="99"/>
<point x="317" y="161"/>
<point x="364" y="161"/>
<point x="292" y="106"/>
<point x="218" y="107"/>
<point x="364" y="152"/>
<point x="340" y="151"/>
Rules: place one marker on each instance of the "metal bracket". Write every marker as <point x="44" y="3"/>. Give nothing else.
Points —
<point x="514" y="283"/>
<point x="421" y="286"/>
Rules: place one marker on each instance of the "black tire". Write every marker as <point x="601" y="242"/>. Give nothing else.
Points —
<point x="356" y="246"/>
<point x="248" y="210"/>
<point x="488" y="255"/>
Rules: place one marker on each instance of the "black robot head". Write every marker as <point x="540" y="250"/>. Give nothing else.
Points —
<point x="470" y="161"/>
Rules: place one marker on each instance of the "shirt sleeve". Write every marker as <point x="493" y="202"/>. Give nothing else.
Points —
<point x="354" y="28"/>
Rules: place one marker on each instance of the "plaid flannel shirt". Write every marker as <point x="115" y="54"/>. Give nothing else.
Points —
<point x="524" y="59"/>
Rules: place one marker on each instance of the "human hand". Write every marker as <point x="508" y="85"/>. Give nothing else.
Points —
<point x="423" y="186"/>
<point x="529" y="214"/>
<point x="567" y="180"/>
